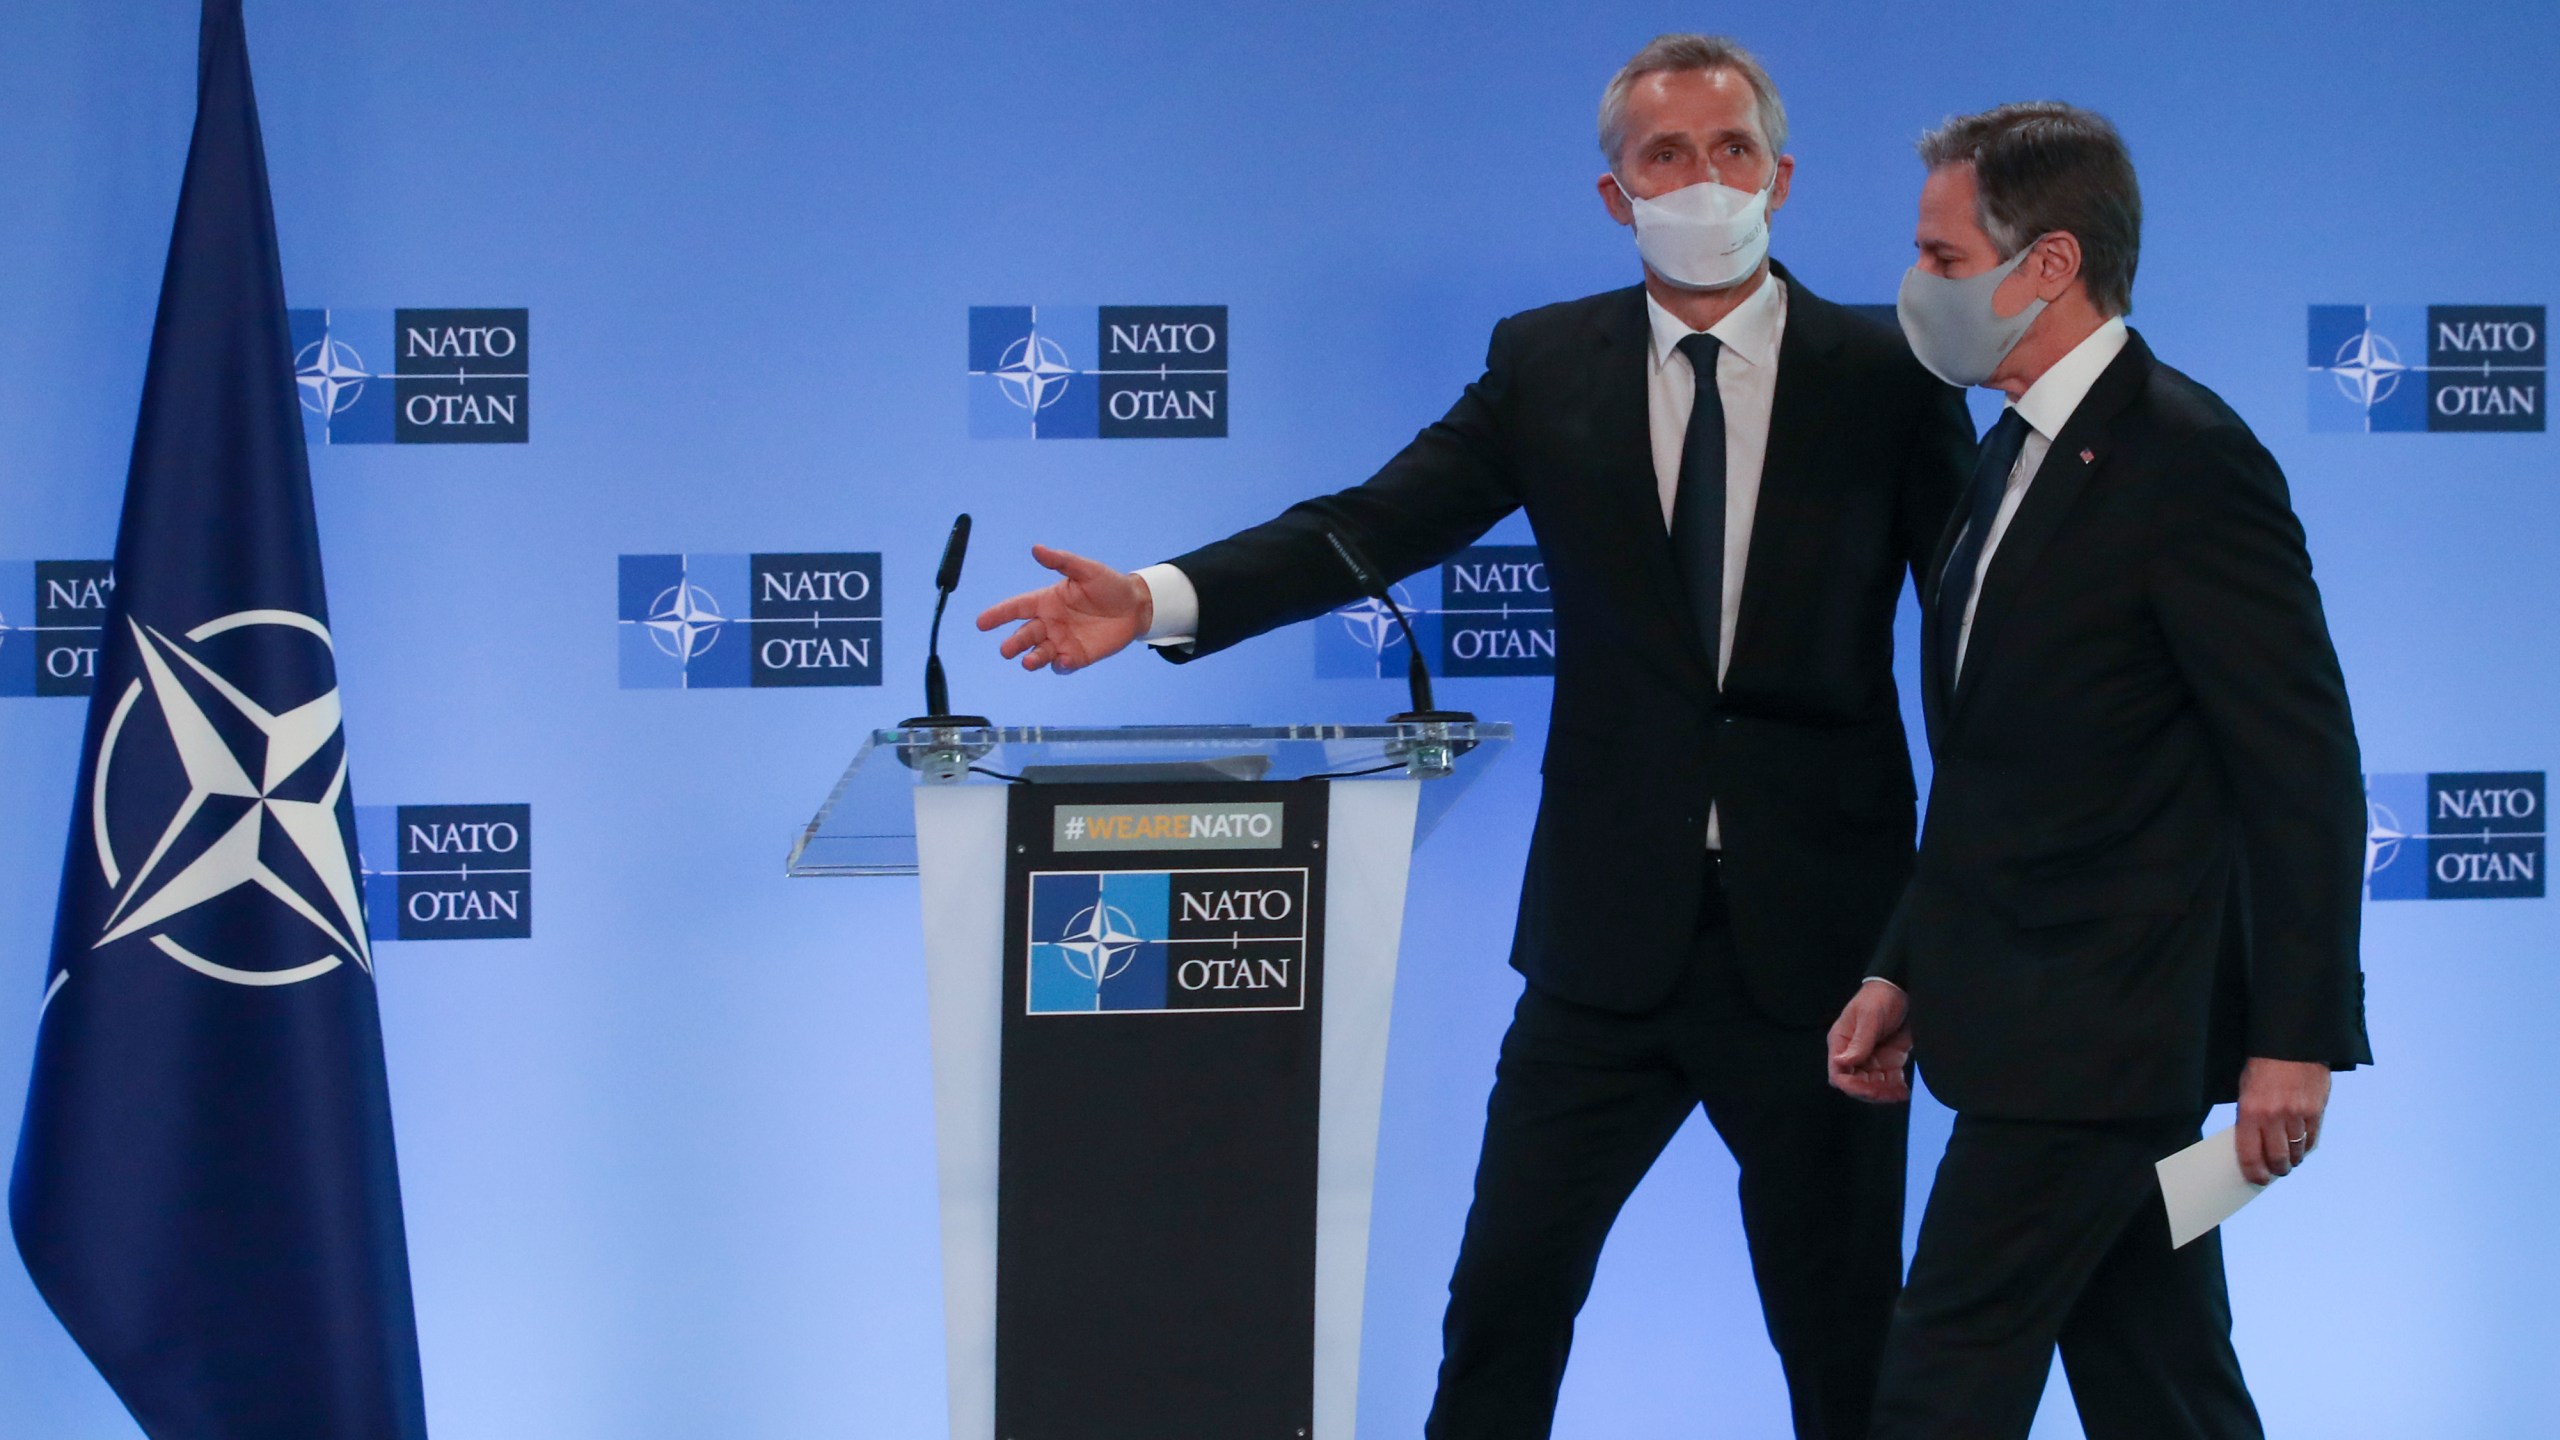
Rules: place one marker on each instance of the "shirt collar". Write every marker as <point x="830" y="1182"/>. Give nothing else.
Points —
<point x="1750" y="331"/>
<point x="2048" y="403"/>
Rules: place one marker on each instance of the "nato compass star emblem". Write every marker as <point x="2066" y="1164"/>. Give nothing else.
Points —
<point x="684" y="620"/>
<point x="1034" y="372"/>
<point x="331" y="375"/>
<point x="1100" y="942"/>
<point x="260" y="809"/>
<point x="2382" y="837"/>
<point x="2368" y="369"/>
<point x="1373" y="625"/>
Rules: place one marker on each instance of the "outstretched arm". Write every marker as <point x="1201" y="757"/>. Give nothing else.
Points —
<point x="1442" y="491"/>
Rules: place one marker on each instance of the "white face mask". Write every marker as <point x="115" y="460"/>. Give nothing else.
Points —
<point x="1951" y="326"/>
<point x="1704" y="236"/>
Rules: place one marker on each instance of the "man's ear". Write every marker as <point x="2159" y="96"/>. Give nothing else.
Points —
<point x="2055" y="264"/>
<point x="1614" y="196"/>
<point x="1786" y="182"/>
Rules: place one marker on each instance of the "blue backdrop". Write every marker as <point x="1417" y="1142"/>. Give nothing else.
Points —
<point x="668" y="1161"/>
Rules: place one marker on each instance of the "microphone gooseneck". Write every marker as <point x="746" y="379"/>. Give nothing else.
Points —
<point x="937" y="686"/>
<point x="1417" y="675"/>
<point x="937" y="690"/>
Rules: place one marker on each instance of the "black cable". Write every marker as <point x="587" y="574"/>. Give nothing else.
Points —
<point x="1353" y="774"/>
<point x="997" y="775"/>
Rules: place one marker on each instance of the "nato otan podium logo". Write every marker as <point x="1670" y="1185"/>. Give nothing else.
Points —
<point x="1107" y="372"/>
<point x="51" y="617"/>
<point x="446" y="872"/>
<point x="2455" y="836"/>
<point x="726" y="622"/>
<point x="2427" y="368"/>
<point x="1163" y="941"/>
<point x="1484" y="611"/>
<point x="413" y="377"/>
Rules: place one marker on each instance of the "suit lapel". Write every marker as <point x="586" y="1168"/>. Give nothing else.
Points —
<point x="1801" y="420"/>
<point x="2077" y="455"/>
<point x="1622" y="439"/>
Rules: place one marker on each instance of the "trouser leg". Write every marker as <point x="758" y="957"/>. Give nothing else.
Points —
<point x="1583" y="1102"/>
<point x="1821" y="1189"/>
<point x="2148" y="1347"/>
<point x="2022" y="1216"/>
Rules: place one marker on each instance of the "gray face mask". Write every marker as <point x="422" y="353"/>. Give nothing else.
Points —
<point x="1953" y="329"/>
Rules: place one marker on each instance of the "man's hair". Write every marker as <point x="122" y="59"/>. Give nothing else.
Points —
<point x="1690" y="52"/>
<point x="2041" y="166"/>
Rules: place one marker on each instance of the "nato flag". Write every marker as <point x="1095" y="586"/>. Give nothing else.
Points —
<point x="205" y="1189"/>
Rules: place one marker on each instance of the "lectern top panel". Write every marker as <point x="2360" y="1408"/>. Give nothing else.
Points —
<point x="867" y="825"/>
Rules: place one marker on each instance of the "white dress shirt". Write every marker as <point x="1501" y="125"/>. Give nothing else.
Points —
<point x="2046" y="407"/>
<point x="1747" y="382"/>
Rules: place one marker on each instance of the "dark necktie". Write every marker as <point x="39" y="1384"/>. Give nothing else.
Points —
<point x="1991" y="467"/>
<point x="1697" y="507"/>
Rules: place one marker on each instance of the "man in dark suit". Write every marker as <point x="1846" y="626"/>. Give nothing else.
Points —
<point x="2137" y="895"/>
<point x="1729" y="478"/>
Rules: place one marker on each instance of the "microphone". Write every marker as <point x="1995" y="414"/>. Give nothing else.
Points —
<point x="1417" y="675"/>
<point x="937" y="689"/>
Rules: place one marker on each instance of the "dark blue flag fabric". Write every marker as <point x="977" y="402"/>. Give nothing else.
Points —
<point x="205" y="1189"/>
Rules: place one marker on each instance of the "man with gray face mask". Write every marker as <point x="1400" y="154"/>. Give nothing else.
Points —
<point x="2138" y="894"/>
<point x="1729" y="477"/>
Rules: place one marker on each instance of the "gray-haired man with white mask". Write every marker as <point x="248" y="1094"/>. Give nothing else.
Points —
<point x="1730" y="479"/>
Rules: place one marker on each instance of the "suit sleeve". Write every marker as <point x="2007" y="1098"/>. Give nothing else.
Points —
<point x="1438" y="494"/>
<point x="2231" y="586"/>
<point x="1892" y="960"/>
<point x="1934" y="472"/>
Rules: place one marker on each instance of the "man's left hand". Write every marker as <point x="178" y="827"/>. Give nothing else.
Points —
<point x="2281" y="1102"/>
<point x="1871" y="1045"/>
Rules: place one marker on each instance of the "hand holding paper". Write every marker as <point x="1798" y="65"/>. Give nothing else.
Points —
<point x="2281" y="1105"/>
<point x="2281" y="1102"/>
<point x="2203" y="1186"/>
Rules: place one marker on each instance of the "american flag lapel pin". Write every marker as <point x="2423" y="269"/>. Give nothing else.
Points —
<point x="2088" y="457"/>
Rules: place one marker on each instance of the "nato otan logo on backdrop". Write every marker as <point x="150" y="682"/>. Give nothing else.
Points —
<point x="2455" y="836"/>
<point x="715" y="622"/>
<point x="447" y="872"/>
<point x="1108" y="372"/>
<point x="413" y="377"/>
<point x="1118" y="941"/>
<point x="1485" y="611"/>
<point x="51" y="612"/>
<point x="2427" y="367"/>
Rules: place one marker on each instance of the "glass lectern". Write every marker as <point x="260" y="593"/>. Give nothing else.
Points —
<point x="1160" y="966"/>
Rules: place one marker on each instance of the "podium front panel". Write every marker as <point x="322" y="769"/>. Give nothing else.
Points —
<point x="1164" y="997"/>
<point x="990" y="968"/>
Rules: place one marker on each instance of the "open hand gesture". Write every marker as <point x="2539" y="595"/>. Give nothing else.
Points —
<point x="1091" y="613"/>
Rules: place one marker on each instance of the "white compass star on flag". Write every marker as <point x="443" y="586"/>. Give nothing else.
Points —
<point x="164" y="886"/>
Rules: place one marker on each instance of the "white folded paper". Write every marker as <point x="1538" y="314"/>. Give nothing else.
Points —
<point x="2203" y="1186"/>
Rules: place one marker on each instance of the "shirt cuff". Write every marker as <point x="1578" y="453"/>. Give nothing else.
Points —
<point x="1177" y="617"/>
<point x="1880" y="980"/>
